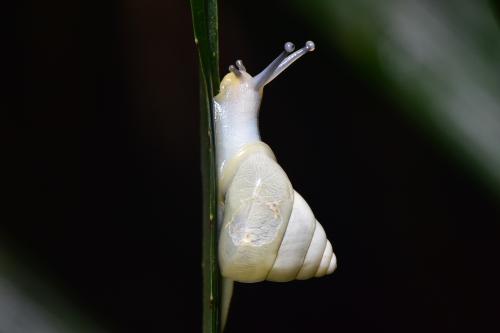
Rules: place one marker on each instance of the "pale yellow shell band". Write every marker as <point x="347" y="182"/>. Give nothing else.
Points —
<point x="230" y="168"/>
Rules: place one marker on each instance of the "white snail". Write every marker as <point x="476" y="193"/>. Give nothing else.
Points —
<point x="266" y="229"/>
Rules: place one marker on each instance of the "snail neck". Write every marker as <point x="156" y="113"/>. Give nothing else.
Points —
<point x="235" y="127"/>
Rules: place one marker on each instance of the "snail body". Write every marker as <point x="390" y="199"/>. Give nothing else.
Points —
<point x="267" y="231"/>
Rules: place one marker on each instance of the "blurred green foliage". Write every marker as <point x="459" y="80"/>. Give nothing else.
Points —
<point x="28" y="303"/>
<point x="439" y="59"/>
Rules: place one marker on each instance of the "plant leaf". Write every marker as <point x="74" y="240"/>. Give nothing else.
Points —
<point x="205" y="26"/>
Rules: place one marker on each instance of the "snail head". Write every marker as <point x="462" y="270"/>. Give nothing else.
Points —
<point x="238" y="81"/>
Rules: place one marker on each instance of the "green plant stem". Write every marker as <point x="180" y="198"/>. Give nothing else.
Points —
<point x="204" y="14"/>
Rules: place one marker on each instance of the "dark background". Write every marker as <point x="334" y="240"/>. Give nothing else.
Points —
<point x="103" y="178"/>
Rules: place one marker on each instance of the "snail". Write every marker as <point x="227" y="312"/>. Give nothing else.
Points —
<point x="267" y="231"/>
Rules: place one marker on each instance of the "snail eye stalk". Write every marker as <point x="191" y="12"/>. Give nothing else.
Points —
<point x="282" y="62"/>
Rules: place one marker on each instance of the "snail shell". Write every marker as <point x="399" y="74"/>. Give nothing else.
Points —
<point x="268" y="230"/>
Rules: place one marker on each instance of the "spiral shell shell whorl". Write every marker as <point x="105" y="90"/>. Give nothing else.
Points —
<point x="267" y="231"/>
